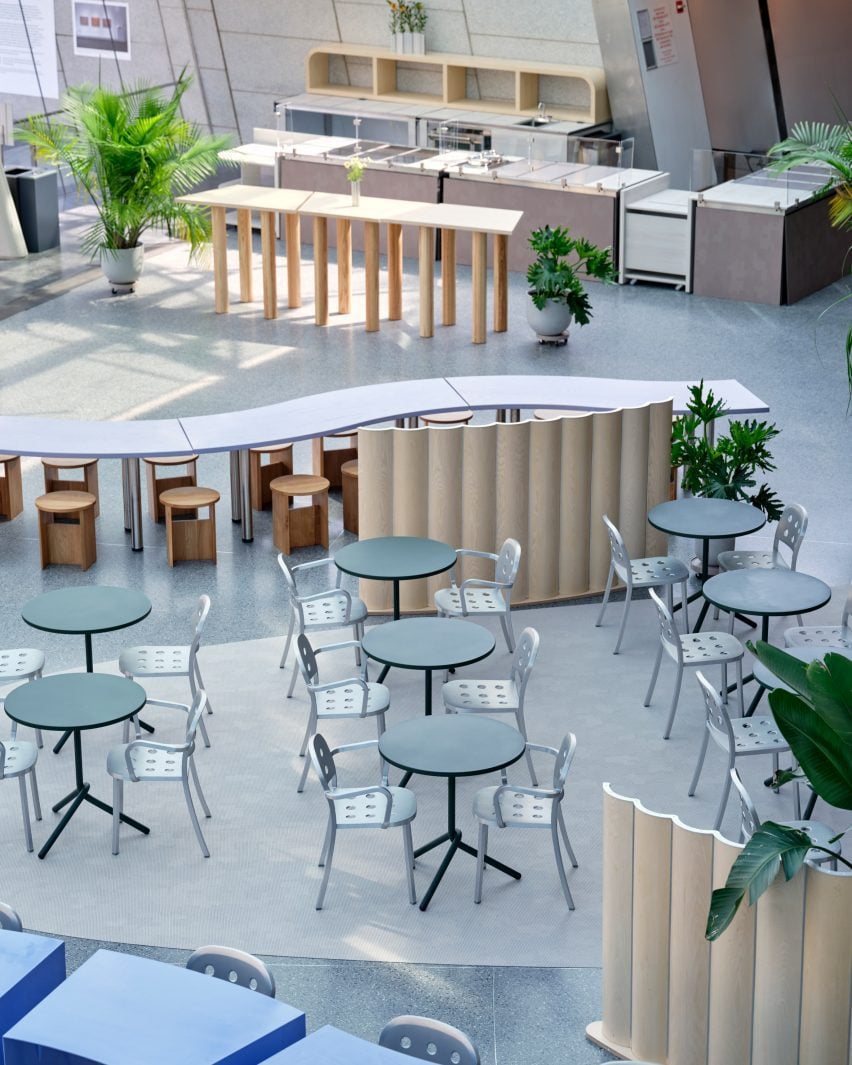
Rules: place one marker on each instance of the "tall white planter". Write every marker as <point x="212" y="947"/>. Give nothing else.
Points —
<point x="398" y="43"/>
<point x="418" y="43"/>
<point x="408" y="42"/>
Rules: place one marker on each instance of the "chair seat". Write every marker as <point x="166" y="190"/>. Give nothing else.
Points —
<point x="518" y="809"/>
<point x="710" y="648"/>
<point x="346" y="701"/>
<point x="656" y="570"/>
<point x="827" y="636"/>
<point x="729" y="560"/>
<point x="753" y="734"/>
<point x="148" y="764"/>
<point x="477" y="600"/>
<point x="332" y="611"/>
<point x="367" y="811"/>
<point x="484" y="695"/>
<point x="154" y="661"/>
<point x="20" y="757"/>
<point x="20" y="663"/>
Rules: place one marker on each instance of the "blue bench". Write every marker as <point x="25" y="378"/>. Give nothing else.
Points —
<point x="30" y="968"/>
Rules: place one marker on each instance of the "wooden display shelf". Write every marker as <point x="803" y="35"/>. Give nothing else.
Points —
<point x="453" y="70"/>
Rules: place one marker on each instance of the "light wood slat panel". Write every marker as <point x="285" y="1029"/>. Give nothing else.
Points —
<point x="479" y="511"/>
<point x="605" y="494"/>
<point x="445" y="492"/>
<point x="827" y="980"/>
<point x="617" y="940"/>
<point x="689" y="963"/>
<point x="632" y="503"/>
<point x="731" y="975"/>
<point x="375" y="502"/>
<point x="574" y="504"/>
<point x="652" y="842"/>
<point x="659" y="469"/>
<point x="511" y="498"/>
<point x="411" y="502"/>
<point x="544" y="540"/>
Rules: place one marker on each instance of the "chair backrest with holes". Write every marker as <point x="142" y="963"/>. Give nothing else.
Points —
<point x="563" y="760"/>
<point x="323" y="762"/>
<point x="749" y="821"/>
<point x="507" y="564"/>
<point x="9" y="920"/>
<point x="792" y="526"/>
<point x="428" y="1040"/>
<point x="716" y="716"/>
<point x="2" y="760"/>
<point x="307" y="659"/>
<point x="199" y="621"/>
<point x="618" y="552"/>
<point x="668" y="630"/>
<point x="235" y="966"/>
<point x="523" y="660"/>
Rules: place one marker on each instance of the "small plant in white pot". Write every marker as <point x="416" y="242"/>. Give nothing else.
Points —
<point x="354" y="172"/>
<point x="557" y="293"/>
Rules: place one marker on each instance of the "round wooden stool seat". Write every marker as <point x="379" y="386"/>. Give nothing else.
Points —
<point x="66" y="528"/>
<point x="544" y="414"/>
<point x="346" y="434"/>
<point x="171" y="460"/>
<point x="69" y="464"/>
<point x="8" y="458"/>
<point x="349" y="473"/>
<point x="451" y="417"/>
<point x="189" y="497"/>
<point x="299" y="526"/>
<point x="271" y="449"/>
<point x="300" y="484"/>
<point x="64" y="502"/>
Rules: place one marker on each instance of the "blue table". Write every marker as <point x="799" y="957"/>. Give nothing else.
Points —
<point x="30" y="968"/>
<point x="330" y="1046"/>
<point x="120" y="1008"/>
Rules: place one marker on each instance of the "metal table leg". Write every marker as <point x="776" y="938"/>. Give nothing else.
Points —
<point x="245" y="497"/>
<point x="236" y="488"/>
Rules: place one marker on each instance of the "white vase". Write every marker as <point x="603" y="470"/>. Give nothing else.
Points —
<point x="419" y="43"/>
<point x="398" y="43"/>
<point x="356" y="193"/>
<point x="552" y="321"/>
<point x="407" y="42"/>
<point x="123" y="266"/>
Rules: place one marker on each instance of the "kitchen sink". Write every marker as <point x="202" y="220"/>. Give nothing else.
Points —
<point x="537" y="122"/>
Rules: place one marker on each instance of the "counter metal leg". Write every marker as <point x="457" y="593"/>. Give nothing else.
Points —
<point x="236" y="488"/>
<point x="245" y="496"/>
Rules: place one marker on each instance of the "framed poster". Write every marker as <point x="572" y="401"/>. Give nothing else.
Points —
<point x="100" y="28"/>
<point x="28" y="50"/>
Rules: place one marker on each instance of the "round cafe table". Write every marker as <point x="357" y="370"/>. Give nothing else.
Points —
<point x="395" y="558"/>
<point x="76" y="702"/>
<point x="451" y="746"/>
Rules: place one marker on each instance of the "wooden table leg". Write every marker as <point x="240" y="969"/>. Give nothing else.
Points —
<point x="448" y="275"/>
<point x="371" y="270"/>
<point x="427" y="281"/>
<point x="480" y="291"/>
<point x="501" y="283"/>
<point x="244" y="248"/>
<point x="293" y="235"/>
<point x="270" y="264"/>
<point x="394" y="272"/>
<point x="321" y="271"/>
<point x="344" y="264"/>
<point x="220" y="259"/>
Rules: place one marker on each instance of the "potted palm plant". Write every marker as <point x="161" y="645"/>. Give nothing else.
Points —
<point x="132" y="153"/>
<point x="557" y="294"/>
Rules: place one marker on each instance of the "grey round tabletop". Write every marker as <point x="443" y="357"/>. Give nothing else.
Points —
<point x="395" y="558"/>
<point x="94" y="608"/>
<point x="706" y="519"/>
<point x="428" y="643"/>
<point x="451" y="745"/>
<point x="767" y="592"/>
<point x="75" y="701"/>
<point x="767" y="679"/>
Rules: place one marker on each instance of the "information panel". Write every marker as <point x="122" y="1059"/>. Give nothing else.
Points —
<point x="28" y="49"/>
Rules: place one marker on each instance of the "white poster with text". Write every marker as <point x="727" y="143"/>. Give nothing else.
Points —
<point x="28" y="49"/>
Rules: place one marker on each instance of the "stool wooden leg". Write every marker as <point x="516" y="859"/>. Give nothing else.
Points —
<point x="344" y="265"/>
<point x="321" y="271"/>
<point x="394" y="272"/>
<point x="214" y="558"/>
<point x="256" y="475"/>
<point x="321" y="518"/>
<point x="87" y="547"/>
<point x="371" y="270"/>
<point x="318" y="456"/>
<point x="448" y="275"/>
<point x="90" y="480"/>
<point x="43" y="520"/>
<point x="153" y="491"/>
<point x="480" y="292"/>
<point x="293" y="233"/>
<point x="170" y="541"/>
<point x="501" y="283"/>
<point x="244" y="248"/>
<point x="11" y="490"/>
<point x="427" y="281"/>
<point x="220" y="259"/>
<point x="270" y="264"/>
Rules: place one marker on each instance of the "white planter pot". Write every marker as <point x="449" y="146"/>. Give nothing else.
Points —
<point x="356" y="193"/>
<point x="418" y="41"/>
<point x="123" y="266"/>
<point x="552" y="321"/>
<point x="408" y="42"/>
<point x="398" y="43"/>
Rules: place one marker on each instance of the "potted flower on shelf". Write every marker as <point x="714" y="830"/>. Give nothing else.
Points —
<point x="417" y="18"/>
<point x="354" y="172"/>
<point x="557" y="294"/>
<point x="132" y="153"/>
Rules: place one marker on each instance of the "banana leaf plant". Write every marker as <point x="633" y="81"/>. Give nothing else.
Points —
<point x="816" y="720"/>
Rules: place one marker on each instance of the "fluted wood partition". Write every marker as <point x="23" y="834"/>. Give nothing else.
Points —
<point x="774" y="989"/>
<point x="545" y="483"/>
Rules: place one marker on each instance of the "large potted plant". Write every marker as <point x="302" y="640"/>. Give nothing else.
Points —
<point x="557" y="293"/>
<point x="132" y="153"/>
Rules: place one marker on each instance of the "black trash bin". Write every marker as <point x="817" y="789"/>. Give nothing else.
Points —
<point x="35" y="192"/>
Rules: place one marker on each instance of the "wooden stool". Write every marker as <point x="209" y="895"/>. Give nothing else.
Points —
<point x="349" y="472"/>
<point x="11" y="492"/>
<point x="66" y="528"/>
<point x="453" y="417"/>
<point x="188" y="537"/>
<point x="299" y="526"/>
<point x="544" y="414"/>
<point x="327" y="461"/>
<point x="53" y="481"/>
<point x="158" y="485"/>
<point x="280" y="465"/>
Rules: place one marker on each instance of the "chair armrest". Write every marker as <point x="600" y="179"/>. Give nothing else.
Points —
<point x="480" y="582"/>
<point x="312" y="565"/>
<point x="169" y="705"/>
<point x="168" y="748"/>
<point x="543" y="748"/>
<point x="360" y="746"/>
<point x="536" y="793"/>
<point x="470" y="553"/>
<point x="354" y="793"/>
<point x="336" y="646"/>
<point x="358" y="682"/>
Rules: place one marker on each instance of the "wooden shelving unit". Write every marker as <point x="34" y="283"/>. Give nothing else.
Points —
<point x="454" y="70"/>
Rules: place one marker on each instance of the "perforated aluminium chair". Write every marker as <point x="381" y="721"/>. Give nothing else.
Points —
<point x="473" y="696"/>
<point x="235" y="966"/>
<point x="9" y="919"/>
<point x="750" y="822"/>
<point x="508" y="806"/>
<point x="352" y="697"/>
<point x="333" y="608"/>
<point x="18" y="759"/>
<point x="695" y="649"/>
<point x="182" y="661"/>
<point x="428" y="1040"/>
<point x="476" y="597"/>
<point x="789" y="533"/>
<point x="376" y="806"/>
<point x="739" y="738"/>
<point x="18" y="664"/>
<point x="656" y="571"/>
<point x="826" y="636"/>
<point x="144" y="761"/>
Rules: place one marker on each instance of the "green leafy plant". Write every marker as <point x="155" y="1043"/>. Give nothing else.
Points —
<point x="354" y="170"/>
<point x="417" y="17"/>
<point x="395" y="10"/>
<point x="132" y="153"/>
<point x="723" y="468"/>
<point x="816" y="720"/>
<point x="554" y="276"/>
